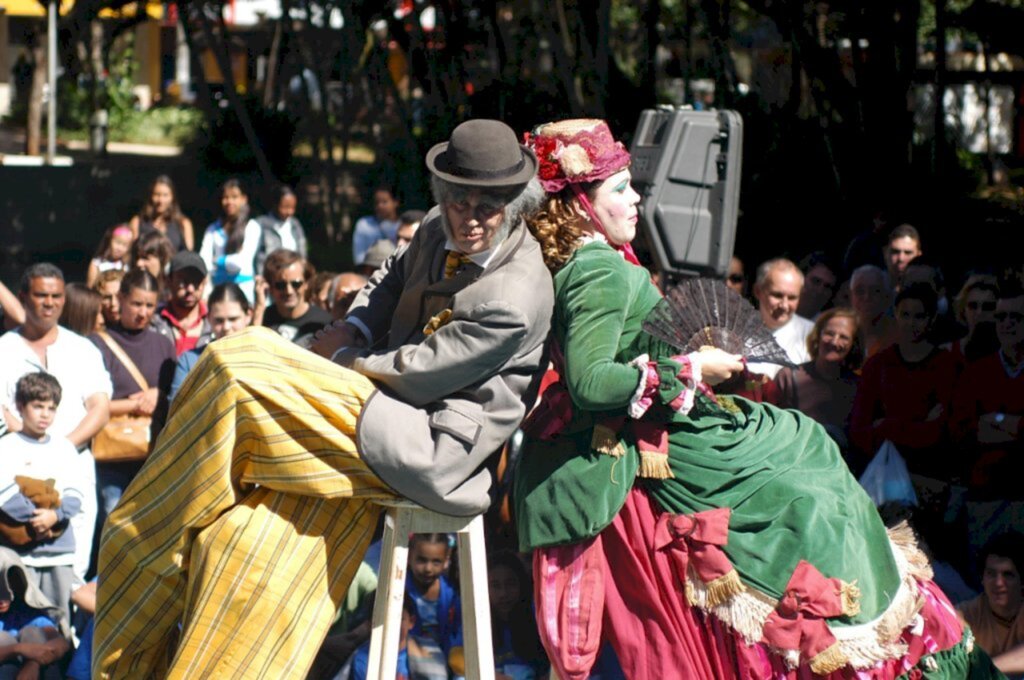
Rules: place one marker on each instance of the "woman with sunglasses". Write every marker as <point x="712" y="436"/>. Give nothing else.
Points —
<point x="288" y="281"/>
<point x="975" y="306"/>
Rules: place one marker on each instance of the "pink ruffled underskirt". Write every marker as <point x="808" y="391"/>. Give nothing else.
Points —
<point x="616" y="587"/>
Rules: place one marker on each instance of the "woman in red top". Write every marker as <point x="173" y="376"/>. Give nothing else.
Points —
<point x="905" y="391"/>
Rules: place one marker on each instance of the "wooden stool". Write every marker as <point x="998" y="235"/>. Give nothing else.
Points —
<point x="403" y="518"/>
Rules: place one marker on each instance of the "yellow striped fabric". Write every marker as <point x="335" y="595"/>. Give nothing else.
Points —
<point x="246" y="524"/>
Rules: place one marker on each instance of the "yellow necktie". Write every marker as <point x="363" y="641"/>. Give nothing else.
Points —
<point x="453" y="261"/>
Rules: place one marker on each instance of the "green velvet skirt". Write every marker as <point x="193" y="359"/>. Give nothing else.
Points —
<point x="790" y="493"/>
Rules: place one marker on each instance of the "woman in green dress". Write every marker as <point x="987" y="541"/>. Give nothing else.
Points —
<point x="702" y="536"/>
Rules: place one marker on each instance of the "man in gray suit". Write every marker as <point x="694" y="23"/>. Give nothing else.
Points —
<point x="250" y="516"/>
<point x="454" y="356"/>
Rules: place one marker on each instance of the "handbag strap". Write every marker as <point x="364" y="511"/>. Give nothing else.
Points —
<point x="125" y="360"/>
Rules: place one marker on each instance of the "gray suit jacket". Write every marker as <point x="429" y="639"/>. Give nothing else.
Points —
<point x="447" y="401"/>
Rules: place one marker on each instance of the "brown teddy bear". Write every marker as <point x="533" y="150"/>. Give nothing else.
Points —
<point x="43" y="495"/>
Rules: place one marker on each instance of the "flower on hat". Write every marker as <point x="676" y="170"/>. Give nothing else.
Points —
<point x="575" y="161"/>
<point x="574" y="152"/>
<point x="547" y="149"/>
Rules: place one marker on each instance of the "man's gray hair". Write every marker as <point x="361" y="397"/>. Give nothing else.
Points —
<point x="866" y="270"/>
<point x="41" y="270"/>
<point x="519" y="201"/>
<point x="779" y="263"/>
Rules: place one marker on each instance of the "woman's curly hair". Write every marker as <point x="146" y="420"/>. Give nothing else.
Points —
<point x="557" y="226"/>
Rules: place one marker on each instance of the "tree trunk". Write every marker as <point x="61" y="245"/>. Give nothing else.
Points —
<point x="34" y="126"/>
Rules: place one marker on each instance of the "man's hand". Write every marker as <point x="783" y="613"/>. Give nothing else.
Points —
<point x="331" y="338"/>
<point x="42" y="653"/>
<point x="43" y="520"/>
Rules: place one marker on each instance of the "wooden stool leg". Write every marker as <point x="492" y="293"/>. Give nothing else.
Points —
<point x="387" y="608"/>
<point x="476" y="609"/>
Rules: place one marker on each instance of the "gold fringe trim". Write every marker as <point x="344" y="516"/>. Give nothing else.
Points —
<point x="849" y="593"/>
<point x="745" y="611"/>
<point x="654" y="465"/>
<point x="861" y="645"/>
<point x="606" y="441"/>
<point x="903" y="537"/>
<point x="829" y="660"/>
<point x="724" y="588"/>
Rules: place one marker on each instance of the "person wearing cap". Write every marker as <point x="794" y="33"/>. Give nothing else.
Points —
<point x="183" y="318"/>
<point x="375" y="256"/>
<point x="703" y="536"/>
<point x="250" y="517"/>
<point x="34" y="633"/>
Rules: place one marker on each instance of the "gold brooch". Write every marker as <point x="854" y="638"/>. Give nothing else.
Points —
<point x="436" y="321"/>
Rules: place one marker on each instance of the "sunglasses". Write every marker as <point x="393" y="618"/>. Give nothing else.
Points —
<point x="983" y="306"/>
<point x="283" y="285"/>
<point x="1015" y="317"/>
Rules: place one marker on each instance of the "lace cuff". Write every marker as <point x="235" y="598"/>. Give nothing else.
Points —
<point x="643" y="397"/>
<point x="680" y="381"/>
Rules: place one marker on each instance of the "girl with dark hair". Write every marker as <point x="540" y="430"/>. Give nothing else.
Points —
<point x="518" y="654"/>
<point x="281" y="228"/>
<point x="81" y="313"/>
<point x="162" y="214"/>
<point x="152" y="356"/>
<point x="703" y="535"/>
<point x="153" y="253"/>
<point x="382" y="224"/>
<point x="114" y="252"/>
<point x="230" y="244"/>
<point x="229" y="313"/>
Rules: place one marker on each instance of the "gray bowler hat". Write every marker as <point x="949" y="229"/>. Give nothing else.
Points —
<point x="483" y="153"/>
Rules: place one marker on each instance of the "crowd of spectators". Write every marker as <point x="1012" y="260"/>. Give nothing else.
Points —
<point x="880" y="351"/>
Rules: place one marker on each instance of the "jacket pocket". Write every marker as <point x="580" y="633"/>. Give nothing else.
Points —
<point x="465" y="427"/>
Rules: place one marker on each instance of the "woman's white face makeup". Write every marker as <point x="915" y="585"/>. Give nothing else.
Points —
<point x="614" y="205"/>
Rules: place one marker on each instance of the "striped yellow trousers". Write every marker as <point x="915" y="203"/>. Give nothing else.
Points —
<point x="246" y="524"/>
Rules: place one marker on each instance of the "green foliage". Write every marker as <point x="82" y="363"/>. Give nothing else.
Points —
<point x="117" y="92"/>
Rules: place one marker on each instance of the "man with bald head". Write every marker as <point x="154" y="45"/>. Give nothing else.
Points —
<point x="344" y="289"/>
<point x="777" y="289"/>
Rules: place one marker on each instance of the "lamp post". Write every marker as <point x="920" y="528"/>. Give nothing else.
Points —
<point x="51" y="78"/>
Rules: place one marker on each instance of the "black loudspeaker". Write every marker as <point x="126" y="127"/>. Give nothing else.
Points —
<point x="686" y="167"/>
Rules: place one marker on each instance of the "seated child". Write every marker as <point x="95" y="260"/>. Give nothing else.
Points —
<point x="31" y="636"/>
<point x="361" y="658"/>
<point x="518" y="653"/>
<point x="438" y="628"/>
<point x="40" y="490"/>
